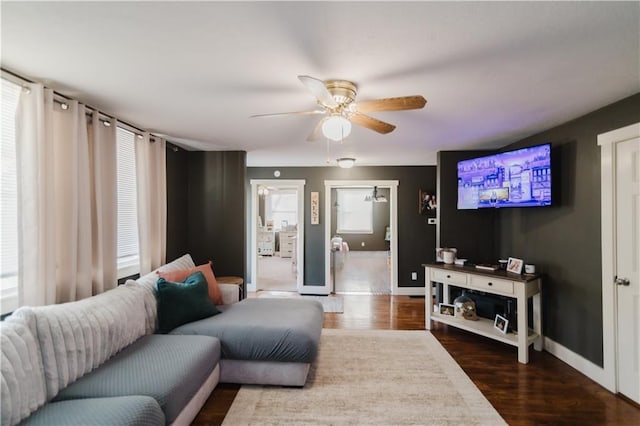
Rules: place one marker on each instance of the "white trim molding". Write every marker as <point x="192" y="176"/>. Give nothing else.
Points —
<point x="583" y="365"/>
<point x="408" y="291"/>
<point x="253" y="252"/>
<point x="607" y="142"/>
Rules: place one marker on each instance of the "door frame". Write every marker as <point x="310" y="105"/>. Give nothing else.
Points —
<point x="253" y="252"/>
<point x="608" y="167"/>
<point x="393" y="219"/>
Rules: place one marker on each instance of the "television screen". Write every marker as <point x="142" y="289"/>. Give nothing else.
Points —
<point x="519" y="178"/>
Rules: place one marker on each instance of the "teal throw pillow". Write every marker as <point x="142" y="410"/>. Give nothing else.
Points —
<point x="180" y="303"/>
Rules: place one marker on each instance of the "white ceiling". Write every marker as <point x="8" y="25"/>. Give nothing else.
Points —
<point x="492" y="73"/>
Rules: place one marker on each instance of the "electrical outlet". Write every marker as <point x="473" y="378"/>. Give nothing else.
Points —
<point x="362" y="244"/>
<point x="414" y="276"/>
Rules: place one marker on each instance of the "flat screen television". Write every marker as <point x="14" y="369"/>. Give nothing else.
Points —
<point x="518" y="178"/>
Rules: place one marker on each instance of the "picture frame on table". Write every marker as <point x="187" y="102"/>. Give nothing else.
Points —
<point x="501" y="324"/>
<point x="447" y="309"/>
<point x="514" y="265"/>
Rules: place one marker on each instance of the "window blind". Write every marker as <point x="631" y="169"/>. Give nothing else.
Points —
<point x="128" y="248"/>
<point x="282" y="206"/>
<point x="355" y="215"/>
<point x="8" y="197"/>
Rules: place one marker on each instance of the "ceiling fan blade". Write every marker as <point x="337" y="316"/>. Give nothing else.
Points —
<point x="314" y="112"/>
<point x="316" y="134"/>
<point x="391" y="104"/>
<point x="371" y="123"/>
<point x="319" y="90"/>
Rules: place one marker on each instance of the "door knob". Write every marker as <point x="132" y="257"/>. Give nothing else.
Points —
<point x="622" y="281"/>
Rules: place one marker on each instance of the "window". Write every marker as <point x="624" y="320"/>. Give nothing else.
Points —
<point x="282" y="206"/>
<point x="8" y="200"/>
<point x="355" y="215"/>
<point x="128" y="248"/>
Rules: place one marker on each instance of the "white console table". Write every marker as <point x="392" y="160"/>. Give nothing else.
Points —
<point x="520" y="287"/>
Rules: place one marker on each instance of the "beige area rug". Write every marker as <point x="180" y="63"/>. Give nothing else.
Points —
<point x="331" y="303"/>
<point x="373" y="377"/>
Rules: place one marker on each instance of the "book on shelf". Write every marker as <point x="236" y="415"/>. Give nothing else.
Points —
<point x="487" y="267"/>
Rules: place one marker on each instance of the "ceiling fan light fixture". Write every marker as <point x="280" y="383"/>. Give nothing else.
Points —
<point x="336" y="128"/>
<point x="346" y="163"/>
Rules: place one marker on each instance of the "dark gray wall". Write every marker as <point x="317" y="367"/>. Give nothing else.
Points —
<point x="416" y="239"/>
<point x="374" y="241"/>
<point x="564" y="240"/>
<point x="177" y="202"/>
<point x="472" y="232"/>
<point x="206" y="208"/>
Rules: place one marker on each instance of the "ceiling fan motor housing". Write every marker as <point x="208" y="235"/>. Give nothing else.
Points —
<point x="343" y="91"/>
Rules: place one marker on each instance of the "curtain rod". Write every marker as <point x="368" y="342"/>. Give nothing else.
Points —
<point x="18" y="79"/>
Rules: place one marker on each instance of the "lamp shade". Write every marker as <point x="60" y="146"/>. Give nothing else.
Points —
<point x="346" y="163"/>
<point x="336" y="128"/>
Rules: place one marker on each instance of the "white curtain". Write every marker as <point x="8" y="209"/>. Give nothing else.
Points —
<point x="36" y="197"/>
<point x="152" y="201"/>
<point x="104" y="193"/>
<point x="55" y="180"/>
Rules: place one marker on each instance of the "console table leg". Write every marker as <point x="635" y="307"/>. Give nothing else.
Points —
<point x="428" y="306"/>
<point x="523" y="326"/>
<point x="538" y="344"/>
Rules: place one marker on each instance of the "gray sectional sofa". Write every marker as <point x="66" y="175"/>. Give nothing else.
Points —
<point x="98" y="361"/>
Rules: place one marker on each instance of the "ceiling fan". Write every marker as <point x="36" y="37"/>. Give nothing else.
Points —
<point x="337" y="100"/>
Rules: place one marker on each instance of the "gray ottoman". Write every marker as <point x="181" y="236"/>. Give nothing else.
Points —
<point x="264" y="341"/>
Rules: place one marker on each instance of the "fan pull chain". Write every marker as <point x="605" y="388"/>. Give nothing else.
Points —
<point x="328" y="151"/>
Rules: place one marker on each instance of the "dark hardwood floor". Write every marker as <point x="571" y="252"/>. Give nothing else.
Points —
<point x="544" y="392"/>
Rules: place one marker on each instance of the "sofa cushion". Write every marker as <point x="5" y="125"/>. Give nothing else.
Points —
<point x="77" y="337"/>
<point x="134" y="410"/>
<point x="22" y="384"/>
<point x="147" y="284"/>
<point x="168" y="368"/>
<point x="180" y="303"/>
<point x="207" y="270"/>
<point x="285" y="330"/>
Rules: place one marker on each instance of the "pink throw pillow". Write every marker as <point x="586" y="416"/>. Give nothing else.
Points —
<point x="180" y="275"/>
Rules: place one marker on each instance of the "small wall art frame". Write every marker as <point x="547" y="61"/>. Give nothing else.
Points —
<point x="427" y="202"/>
<point x="315" y="208"/>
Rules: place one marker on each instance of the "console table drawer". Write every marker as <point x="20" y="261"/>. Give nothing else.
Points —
<point x="491" y="284"/>
<point x="439" y="275"/>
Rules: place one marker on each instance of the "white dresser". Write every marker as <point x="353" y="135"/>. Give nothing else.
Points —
<point x="287" y="243"/>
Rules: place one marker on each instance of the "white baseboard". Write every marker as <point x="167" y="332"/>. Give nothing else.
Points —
<point x="408" y="291"/>
<point x="583" y="365"/>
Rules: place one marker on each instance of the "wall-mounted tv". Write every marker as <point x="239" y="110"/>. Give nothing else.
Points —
<point x="518" y="178"/>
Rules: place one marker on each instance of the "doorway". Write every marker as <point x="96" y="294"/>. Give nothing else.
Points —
<point x="361" y="257"/>
<point x="620" y="176"/>
<point x="277" y="235"/>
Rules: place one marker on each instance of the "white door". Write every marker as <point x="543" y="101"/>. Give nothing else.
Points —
<point x="627" y="267"/>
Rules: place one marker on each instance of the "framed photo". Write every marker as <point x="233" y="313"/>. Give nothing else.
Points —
<point x="501" y="324"/>
<point x="515" y="265"/>
<point x="447" y="309"/>
<point x="426" y="202"/>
